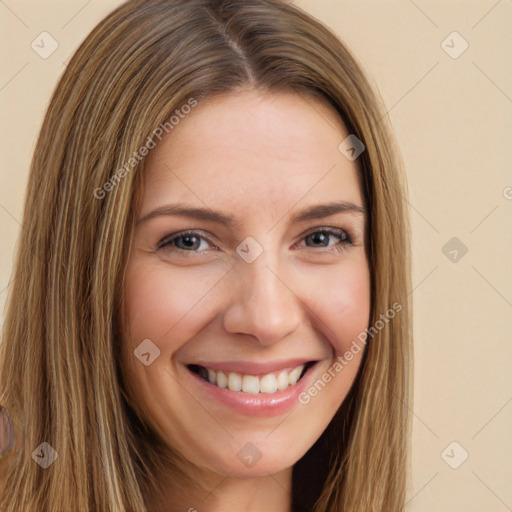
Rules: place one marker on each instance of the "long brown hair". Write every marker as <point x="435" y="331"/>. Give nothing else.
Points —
<point x="60" y="380"/>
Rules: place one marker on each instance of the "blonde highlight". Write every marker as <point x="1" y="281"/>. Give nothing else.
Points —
<point x="59" y="374"/>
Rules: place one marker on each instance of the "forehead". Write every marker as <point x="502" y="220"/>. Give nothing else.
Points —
<point x="250" y="151"/>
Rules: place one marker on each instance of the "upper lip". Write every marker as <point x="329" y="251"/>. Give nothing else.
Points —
<point x="253" y="367"/>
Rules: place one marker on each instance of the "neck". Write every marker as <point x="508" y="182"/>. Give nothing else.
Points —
<point x="218" y="493"/>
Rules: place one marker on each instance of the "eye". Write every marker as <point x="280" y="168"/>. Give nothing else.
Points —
<point x="320" y="238"/>
<point x="185" y="241"/>
<point x="195" y="242"/>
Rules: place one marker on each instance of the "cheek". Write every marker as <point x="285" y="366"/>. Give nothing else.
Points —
<point x="161" y="305"/>
<point x="168" y="308"/>
<point x="343" y="304"/>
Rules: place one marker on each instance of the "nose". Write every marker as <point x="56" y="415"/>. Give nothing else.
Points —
<point x="263" y="304"/>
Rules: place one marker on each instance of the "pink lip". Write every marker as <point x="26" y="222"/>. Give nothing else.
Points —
<point x="253" y="368"/>
<point x="261" y="405"/>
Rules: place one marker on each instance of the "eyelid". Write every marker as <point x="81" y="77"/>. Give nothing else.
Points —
<point x="342" y="234"/>
<point x="328" y="229"/>
<point x="190" y="232"/>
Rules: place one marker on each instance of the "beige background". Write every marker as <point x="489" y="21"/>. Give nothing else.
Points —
<point x="452" y="117"/>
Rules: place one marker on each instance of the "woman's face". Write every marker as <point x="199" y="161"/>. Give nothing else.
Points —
<point x="258" y="285"/>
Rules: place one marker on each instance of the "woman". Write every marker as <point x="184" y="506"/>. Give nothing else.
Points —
<point x="211" y="308"/>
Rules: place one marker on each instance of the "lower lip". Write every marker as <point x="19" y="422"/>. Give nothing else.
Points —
<point x="261" y="404"/>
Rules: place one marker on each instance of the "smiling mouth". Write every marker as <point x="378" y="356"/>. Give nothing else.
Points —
<point x="252" y="384"/>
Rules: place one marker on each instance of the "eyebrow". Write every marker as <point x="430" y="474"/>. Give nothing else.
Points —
<point x="318" y="211"/>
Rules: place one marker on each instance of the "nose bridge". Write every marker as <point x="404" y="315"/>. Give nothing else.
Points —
<point x="262" y="303"/>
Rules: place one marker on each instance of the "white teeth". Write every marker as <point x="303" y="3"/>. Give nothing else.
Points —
<point x="282" y="381"/>
<point x="234" y="382"/>
<point x="222" y="380"/>
<point x="251" y="384"/>
<point x="270" y="383"/>
<point x="295" y="374"/>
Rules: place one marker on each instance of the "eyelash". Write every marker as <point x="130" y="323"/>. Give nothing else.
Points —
<point x="345" y="240"/>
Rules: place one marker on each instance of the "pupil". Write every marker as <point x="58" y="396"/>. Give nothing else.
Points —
<point x="189" y="241"/>
<point x="319" y="238"/>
